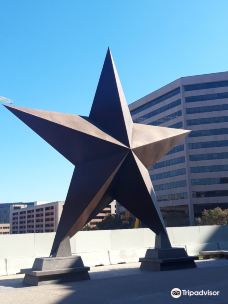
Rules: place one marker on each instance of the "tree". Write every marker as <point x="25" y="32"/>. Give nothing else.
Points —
<point x="113" y="222"/>
<point x="215" y="216"/>
<point x="88" y="228"/>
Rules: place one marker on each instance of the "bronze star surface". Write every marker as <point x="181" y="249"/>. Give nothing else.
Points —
<point x="111" y="155"/>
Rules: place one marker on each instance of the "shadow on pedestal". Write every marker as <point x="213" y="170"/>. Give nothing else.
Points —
<point x="62" y="267"/>
<point x="56" y="270"/>
<point x="164" y="257"/>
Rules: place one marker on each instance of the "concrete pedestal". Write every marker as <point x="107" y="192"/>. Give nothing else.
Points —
<point x="167" y="259"/>
<point x="56" y="270"/>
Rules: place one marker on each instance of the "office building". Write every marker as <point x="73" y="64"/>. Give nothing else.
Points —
<point x="41" y="217"/>
<point x="4" y="213"/>
<point x="193" y="175"/>
<point x="44" y="217"/>
<point x="4" y="228"/>
<point x="5" y="209"/>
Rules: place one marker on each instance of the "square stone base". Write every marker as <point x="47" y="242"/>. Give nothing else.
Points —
<point x="56" y="270"/>
<point x="167" y="259"/>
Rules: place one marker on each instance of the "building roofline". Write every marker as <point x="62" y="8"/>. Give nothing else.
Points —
<point x="178" y="82"/>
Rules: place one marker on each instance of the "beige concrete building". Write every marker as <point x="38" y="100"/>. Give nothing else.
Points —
<point x="109" y="210"/>
<point x="42" y="217"/>
<point x="4" y="228"/>
<point x="194" y="175"/>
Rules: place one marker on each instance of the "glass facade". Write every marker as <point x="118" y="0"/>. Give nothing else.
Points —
<point x="155" y="101"/>
<point x="176" y="149"/>
<point x="209" y="156"/>
<point x="220" y="131"/>
<point x="4" y="213"/>
<point x="208" y="144"/>
<point x="169" y="162"/>
<point x="206" y="97"/>
<point x="172" y="196"/>
<point x="168" y="174"/>
<point x="166" y="118"/>
<point x="206" y="114"/>
<point x="210" y="193"/>
<point x="214" y="168"/>
<point x="219" y="107"/>
<point x="206" y="85"/>
<point x="158" y="111"/>
<point x="207" y="120"/>
<point x="177" y="125"/>
<point x="209" y="181"/>
<point x="171" y="185"/>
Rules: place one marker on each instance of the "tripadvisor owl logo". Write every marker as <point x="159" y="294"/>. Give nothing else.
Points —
<point x="176" y="293"/>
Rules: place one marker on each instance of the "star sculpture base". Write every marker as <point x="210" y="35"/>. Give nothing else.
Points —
<point x="56" y="270"/>
<point x="167" y="259"/>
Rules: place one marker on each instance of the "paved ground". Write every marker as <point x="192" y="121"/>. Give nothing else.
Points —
<point x="124" y="284"/>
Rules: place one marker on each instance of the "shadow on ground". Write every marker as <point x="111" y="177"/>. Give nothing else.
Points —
<point x="126" y="285"/>
<point x="151" y="287"/>
<point x="12" y="283"/>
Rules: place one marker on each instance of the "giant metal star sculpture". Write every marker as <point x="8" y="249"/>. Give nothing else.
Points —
<point x="111" y="155"/>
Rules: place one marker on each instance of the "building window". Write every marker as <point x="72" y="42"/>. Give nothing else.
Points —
<point x="169" y="162"/>
<point x="207" y="120"/>
<point x="39" y="220"/>
<point x="51" y="219"/>
<point x="49" y="213"/>
<point x="206" y="97"/>
<point x="49" y="208"/>
<point x="39" y="226"/>
<point x="166" y="118"/>
<point x="210" y="181"/>
<point x="208" y="144"/>
<point x="172" y="196"/>
<point x="155" y="101"/>
<point x="168" y="174"/>
<point x="157" y="111"/>
<point x="49" y="225"/>
<point x="206" y="85"/>
<point x="220" y="131"/>
<point x="177" y="125"/>
<point x="176" y="149"/>
<point x="209" y="156"/>
<point x="214" y="168"/>
<point x="171" y="185"/>
<point x="219" y="107"/>
<point x="210" y="193"/>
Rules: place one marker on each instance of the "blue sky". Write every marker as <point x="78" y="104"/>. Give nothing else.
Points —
<point x="51" y="56"/>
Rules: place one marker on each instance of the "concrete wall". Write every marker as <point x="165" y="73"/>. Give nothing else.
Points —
<point x="106" y="247"/>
